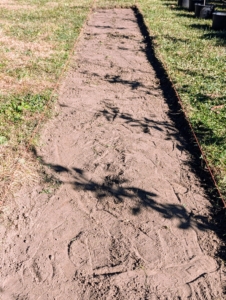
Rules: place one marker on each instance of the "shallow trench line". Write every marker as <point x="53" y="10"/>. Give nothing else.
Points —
<point x="130" y="218"/>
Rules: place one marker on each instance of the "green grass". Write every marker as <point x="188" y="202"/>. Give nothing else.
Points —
<point x="36" y="44"/>
<point x="115" y="3"/>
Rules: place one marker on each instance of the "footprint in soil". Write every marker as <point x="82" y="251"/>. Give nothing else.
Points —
<point x="96" y="252"/>
<point x="144" y="243"/>
<point x="89" y="251"/>
<point x="78" y="253"/>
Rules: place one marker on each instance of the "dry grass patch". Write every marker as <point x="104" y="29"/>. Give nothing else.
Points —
<point x="115" y="3"/>
<point x="23" y="86"/>
<point x="38" y="48"/>
<point x="16" y="168"/>
<point x="13" y="5"/>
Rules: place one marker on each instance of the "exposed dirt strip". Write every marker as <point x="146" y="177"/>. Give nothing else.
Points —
<point x="130" y="218"/>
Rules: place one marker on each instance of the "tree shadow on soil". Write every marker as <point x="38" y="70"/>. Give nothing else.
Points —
<point x="117" y="79"/>
<point x="133" y="84"/>
<point x="115" y="189"/>
<point x="145" y="124"/>
<point x="216" y="211"/>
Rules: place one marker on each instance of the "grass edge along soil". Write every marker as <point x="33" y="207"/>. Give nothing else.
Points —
<point x="178" y="112"/>
<point x="181" y="44"/>
<point x="179" y="116"/>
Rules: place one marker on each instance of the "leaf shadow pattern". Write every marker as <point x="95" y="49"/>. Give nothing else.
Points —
<point x="145" y="124"/>
<point x="118" y="79"/>
<point x="112" y="112"/>
<point x="133" y="84"/>
<point x="115" y="188"/>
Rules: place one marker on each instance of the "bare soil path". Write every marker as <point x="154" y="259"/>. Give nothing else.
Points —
<point x="130" y="218"/>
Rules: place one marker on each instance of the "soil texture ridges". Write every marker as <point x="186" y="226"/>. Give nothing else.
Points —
<point x="129" y="219"/>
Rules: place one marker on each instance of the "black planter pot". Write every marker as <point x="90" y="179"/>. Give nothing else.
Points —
<point x="204" y="11"/>
<point x="179" y="2"/>
<point x="190" y="4"/>
<point x="198" y="8"/>
<point x="185" y="3"/>
<point x="219" y="20"/>
<point x="207" y="12"/>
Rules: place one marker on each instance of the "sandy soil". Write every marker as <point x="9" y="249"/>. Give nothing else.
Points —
<point x="130" y="217"/>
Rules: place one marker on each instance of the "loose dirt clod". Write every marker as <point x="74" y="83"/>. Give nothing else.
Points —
<point x="130" y="219"/>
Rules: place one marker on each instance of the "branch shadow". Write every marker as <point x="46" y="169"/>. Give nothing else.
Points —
<point x="118" y="79"/>
<point x="116" y="189"/>
<point x="145" y="124"/>
<point x="113" y="79"/>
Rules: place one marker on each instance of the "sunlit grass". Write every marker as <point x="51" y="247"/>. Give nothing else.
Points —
<point x="115" y="3"/>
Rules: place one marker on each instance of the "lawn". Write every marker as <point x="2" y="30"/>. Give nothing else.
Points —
<point x="37" y="38"/>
